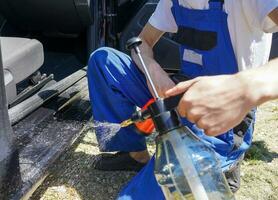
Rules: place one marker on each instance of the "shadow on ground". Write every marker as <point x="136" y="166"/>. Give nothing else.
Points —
<point x="259" y="152"/>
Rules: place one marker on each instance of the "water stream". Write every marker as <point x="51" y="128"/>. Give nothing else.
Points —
<point x="108" y="130"/>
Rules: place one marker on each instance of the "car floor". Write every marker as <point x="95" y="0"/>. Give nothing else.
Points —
<point x="44" y="135"/>
<point x="60" y="65"/>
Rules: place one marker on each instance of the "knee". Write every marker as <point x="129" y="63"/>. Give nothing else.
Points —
<point x="99" y="57"/>
<point x="108" y="59"/>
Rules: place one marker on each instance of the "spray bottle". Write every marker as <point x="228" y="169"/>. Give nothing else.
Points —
<point x="185" y="167"/>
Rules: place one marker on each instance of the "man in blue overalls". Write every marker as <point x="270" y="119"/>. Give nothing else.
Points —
<point x="215" y="38"/>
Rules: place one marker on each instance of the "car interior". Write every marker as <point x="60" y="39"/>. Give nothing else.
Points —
<point x="41" y="37"/>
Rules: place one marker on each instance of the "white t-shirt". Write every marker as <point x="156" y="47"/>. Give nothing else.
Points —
<point x="248" y="22"/>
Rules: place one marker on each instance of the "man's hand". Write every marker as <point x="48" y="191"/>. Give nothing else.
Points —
<point x="216" y="104"/>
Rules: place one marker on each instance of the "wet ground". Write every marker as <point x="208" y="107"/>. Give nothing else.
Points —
<point x="73" y="178"/>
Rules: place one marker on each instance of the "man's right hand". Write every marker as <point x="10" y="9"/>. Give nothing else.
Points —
<point x="219" y="103"/>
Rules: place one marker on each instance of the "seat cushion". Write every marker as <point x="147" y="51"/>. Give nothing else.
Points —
<point x="21" y="56"/>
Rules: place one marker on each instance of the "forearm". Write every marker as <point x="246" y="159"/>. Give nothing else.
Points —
<point x="147" y="55"/>
<point x="262" y="82"/>
<point x="149" y="37"/>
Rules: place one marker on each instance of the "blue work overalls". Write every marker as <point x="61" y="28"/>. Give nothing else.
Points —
<point x="117" y="86"/>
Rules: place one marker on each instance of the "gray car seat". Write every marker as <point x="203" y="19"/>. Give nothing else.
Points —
<point x="21" y="58"/>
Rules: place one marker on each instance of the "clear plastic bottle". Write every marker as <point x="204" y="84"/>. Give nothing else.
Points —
<point x="186" y="168"/>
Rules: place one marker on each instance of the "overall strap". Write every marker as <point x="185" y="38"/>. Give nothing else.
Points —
<point x="221" y="1"/>
<point x="216" y="4"/>
<point x="212" y="3"/>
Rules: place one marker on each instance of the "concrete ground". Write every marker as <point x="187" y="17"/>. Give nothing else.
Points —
<point x="72" y="177"/>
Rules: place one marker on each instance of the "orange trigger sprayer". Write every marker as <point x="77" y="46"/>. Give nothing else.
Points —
<point x="146" y="127"/>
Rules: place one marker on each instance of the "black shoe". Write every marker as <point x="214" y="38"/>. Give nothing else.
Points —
<point x="233" y="177"/>
<point x="120" y="161"/>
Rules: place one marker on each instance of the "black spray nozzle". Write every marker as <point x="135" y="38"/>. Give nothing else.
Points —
<point x="138" y="116"/>
<point x="159" y="111"/>
<point x="141" y="115"/>
<point x="164" y="114"/>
